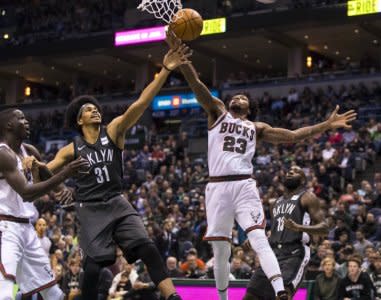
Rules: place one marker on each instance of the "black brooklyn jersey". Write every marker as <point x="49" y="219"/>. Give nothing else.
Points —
<point x="287" y="207"/>
<point x="104" y="179"/>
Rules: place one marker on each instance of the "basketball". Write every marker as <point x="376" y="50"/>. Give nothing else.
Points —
<point x="187" y="24"/>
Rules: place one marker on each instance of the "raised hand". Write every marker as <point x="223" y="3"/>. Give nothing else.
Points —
<point x="172" y="40"/>
<point x="175" y="58"/>
<point x="341" y="121"/>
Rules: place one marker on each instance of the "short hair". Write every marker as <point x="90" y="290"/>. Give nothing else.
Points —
<point x="5" y="116"/>
<point x="328" y="259"/>
<point x="253" y="106"/>
<point x="355" y="258"/>
<point x="73" y="110"/>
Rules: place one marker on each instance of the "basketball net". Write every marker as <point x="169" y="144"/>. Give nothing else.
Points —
<point x="162" y="9"/>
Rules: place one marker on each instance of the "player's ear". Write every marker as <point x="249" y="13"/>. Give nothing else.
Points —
<point x="80" y="121"/>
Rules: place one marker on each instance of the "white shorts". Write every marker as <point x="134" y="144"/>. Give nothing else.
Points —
<point x="22" y="258"/>
<point x="229" y="200"/>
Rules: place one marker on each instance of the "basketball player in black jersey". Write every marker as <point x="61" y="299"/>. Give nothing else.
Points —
<point x="107" y="219"/>
<point x="291" y="215"/>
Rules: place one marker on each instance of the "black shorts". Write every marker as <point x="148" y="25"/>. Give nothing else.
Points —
<point x="292" y="262"/>
<point x="107" y="224"/>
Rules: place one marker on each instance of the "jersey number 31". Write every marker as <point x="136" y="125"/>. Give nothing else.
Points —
<point x="102" y="174"/>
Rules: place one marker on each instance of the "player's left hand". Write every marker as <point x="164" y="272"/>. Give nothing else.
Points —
<point x="172" y="40"/>
<point x="341" y="121"/>
<point x="30" y="162"/>
<point x="291" y="225"/>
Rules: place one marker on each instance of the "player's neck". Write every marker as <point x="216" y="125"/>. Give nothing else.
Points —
<point x="91" y="133"/>
<point x="13" y="143"/>
<point x="237" y="115"/>
<point x="293" y="192"/>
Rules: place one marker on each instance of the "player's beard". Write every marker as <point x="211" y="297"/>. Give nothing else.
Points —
<point x="237" y="109"/>
<point x="292" y="183"/>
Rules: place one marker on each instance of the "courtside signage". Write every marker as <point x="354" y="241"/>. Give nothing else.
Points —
<point x="363" y="7"/>
<point x="156" y="34"/>
<point x="177" y="101"/>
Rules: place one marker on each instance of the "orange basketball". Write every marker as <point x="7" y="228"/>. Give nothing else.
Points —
<point x="187" y="25"/>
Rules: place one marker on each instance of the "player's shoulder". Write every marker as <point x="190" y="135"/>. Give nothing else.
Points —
<point x="308" y="197"/>
<point x="67" y="151"/>
<point x="260" y="127"/>
<point x="7" y="158"/>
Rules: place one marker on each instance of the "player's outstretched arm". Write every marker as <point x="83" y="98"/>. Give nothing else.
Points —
<point x="312" y="205"/>
<point x="41" y="172"/>
<point x="280" y="135"/>
<point x="118" y="127"/>
<point x="212" y="105"/>
<point x="29" y="192"/>
<point x="64" y="156"/>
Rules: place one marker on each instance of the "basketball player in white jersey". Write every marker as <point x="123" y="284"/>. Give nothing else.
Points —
<point x="22" y="258"/>
<point x="231" y="193"/>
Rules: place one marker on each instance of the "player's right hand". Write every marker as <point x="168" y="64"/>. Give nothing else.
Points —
<point x="79" y="165"/>
<point x="175" y="58"/>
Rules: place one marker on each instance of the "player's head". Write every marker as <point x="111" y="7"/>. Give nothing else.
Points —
<point x="241" y="104"/>
<point x="295" y="178"/>
<point x="83" y="110"/>
<point x="13" y="121"/>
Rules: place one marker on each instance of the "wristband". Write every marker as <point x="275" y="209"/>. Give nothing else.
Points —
<point x="168" y="69"/>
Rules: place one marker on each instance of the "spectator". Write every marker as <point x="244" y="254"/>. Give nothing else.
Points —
<point x="328" y="151"/>
<point x="41" y="234"/>
<point x="126" y="283"/>
<point x="144" y="288"/>
<point x="172" y="268"/>
<point x="357" y="284"/>
<point x="193" y="267"/>
<point x="123" y="289"/>
<point x="375" y="276"/>
<point x="326" y="284"/>
<point x="72" y="281"/>
<point x="167" y="241"/>
<point x="239" y="269"/>
<point x="361" y="243"/>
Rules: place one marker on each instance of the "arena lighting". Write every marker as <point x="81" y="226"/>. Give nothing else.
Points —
<point x="309" y="61"/>
<point x="156" y="34"/>
<point x="27" y="91"/>
<point x="363" y="7"/>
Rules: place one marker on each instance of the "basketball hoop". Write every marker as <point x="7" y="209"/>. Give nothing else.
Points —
<point x="162" y="9"/>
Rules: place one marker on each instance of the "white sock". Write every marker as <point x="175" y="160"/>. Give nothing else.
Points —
<point x="6" y="286"/>
<point x="221" y="252"/>
<point x="267" y="259"/>
<point x="52" y="293"/>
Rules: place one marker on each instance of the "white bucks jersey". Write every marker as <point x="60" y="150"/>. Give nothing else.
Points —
<point x="11" y="202"/>
<point x="231" y="146"/>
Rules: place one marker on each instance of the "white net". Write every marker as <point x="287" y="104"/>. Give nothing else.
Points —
<point x="162" y="9"/>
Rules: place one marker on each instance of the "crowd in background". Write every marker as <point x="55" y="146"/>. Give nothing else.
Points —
<point x="165" y="183"/>
<point x="52" y="19"/>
